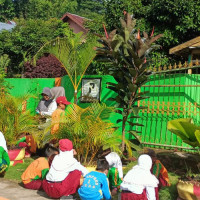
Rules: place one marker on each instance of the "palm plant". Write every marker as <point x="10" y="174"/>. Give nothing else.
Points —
<point x="75" y="54"/>
<point x="125" y="52"/>
<point x="13" y="119"/>
<point x="90" y="130"/>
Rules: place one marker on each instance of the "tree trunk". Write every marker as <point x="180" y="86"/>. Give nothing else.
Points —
<point x="75" y="97"/>
<point x="123" y="132"/>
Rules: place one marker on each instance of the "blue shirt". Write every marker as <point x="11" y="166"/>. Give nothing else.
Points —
<point x="95" y="187"/>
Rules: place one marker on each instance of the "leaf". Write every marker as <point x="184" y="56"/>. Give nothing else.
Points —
<point x="134" y="133"/>
<point x="184" y="129"/>
<point x="134" y="124"/>
<point x="123" y="23"/>
<point x="197" y="135"/>
<point x="132" y="87"/>
<point x="119" y="120"/>
<point x="132" y="72"/>
<point x="112" y="33"/>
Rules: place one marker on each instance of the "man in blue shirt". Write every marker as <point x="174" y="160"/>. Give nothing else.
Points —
<point x="95" y="185"/>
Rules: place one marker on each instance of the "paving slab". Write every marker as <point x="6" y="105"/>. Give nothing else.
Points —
<point x="13" y="191"/>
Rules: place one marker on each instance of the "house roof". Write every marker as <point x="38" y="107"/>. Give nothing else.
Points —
<point x="77" y="19"/>
<point x="185" y="47"/>
<point x="7" y="26"/>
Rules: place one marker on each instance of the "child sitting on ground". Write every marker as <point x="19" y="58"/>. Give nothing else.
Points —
<point x="63" y="178"/>
<point x="115" y="173"/>
<point x="95" y="185"/>
<point x="139" y="183"/>
<point x="37" y="170"/>
<point x="59" y="113"/>
<point x="159" y="170"/>
<point x="4" y="158"/>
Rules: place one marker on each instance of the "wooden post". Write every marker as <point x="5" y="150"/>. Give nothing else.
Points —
<point x="189" y="61"/>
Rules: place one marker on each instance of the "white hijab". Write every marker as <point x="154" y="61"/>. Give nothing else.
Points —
<point x="140" y="175"/>
<point x="115" y="161"/>
<point x="62" y="165"/>
<point x="3" y="142"/>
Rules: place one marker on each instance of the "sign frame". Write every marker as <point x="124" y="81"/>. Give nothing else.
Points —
<point x="84" y="97"/>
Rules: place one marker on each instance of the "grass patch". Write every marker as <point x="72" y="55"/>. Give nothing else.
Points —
<point x="14" y="173"/>
<point x="170" y="193"/>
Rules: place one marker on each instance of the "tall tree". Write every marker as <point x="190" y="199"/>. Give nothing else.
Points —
<point x="6" y="10"/>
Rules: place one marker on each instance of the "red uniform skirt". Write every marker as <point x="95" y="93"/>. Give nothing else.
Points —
<point x="126" y="195"/>
<point x="34" y="185"/>
<point x="68" y="186"/>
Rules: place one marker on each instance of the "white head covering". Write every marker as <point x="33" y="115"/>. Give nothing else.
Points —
<point x="3" y="142"/>
<point x="140" y="176"/>
<point x="62" y="165"/>
<point x="115" y="161"/>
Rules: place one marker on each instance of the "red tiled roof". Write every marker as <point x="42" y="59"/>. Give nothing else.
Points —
<point x="77" y="19"/>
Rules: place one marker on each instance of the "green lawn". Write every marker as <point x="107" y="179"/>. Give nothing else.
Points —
<point x="14" y="173"/>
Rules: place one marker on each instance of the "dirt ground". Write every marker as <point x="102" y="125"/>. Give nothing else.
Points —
<point x="13" y="191"/>
<point x="180" y="163"/>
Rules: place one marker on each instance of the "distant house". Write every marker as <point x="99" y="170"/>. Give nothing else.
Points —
<point x="7" y="26"/>
<point x="75" y="22"/>
<point x="190" y="49"/>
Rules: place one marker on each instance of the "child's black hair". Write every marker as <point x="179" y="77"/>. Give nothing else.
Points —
<point x="102" y="165"/>
<point x="50" y="150"/>
<point x="151" y="153"/>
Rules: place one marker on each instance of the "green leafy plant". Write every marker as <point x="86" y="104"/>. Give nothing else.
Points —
<point x="125" y="51"/>
<point x="75" y="54"/>
<point x="90" y="130"/>
<point x="14" y="120"/>
<point x="186" y="130"/>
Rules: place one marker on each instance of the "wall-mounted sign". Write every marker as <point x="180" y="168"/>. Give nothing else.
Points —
<point x="91" y="89"/>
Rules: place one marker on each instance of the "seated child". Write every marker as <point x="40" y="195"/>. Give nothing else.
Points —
<point x="4" y="158"/>
<point x="37" y="170"/>
<point x="95" y="185"/>
<point x="139" y="183"/>
<point x="115" y="173"/>
<point x="58" y="114"/>
<point x="63" y="178"/>
<point x="159" y="170"/>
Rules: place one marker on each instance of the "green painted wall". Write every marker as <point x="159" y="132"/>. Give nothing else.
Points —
<point x="25" y="86"/>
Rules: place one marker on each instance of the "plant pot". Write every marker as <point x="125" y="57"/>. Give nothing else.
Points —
<point x="16" y="156"/>
<point x="188" y="190"/>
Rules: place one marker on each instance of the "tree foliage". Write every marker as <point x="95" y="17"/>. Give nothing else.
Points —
<point x="6" y="10"/>
<point x="43" y="9"/>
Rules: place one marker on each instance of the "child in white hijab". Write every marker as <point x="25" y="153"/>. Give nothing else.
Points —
<point x="65" y="172"/>
<point x="139" y="183"/>
<point x="4" y="158"/>
<point x="115" y="173"/>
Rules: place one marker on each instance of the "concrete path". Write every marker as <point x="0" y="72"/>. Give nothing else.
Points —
<point x="13" y="191"/>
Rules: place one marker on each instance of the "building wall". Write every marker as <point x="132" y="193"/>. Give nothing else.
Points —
<point x="75" y="27"/>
